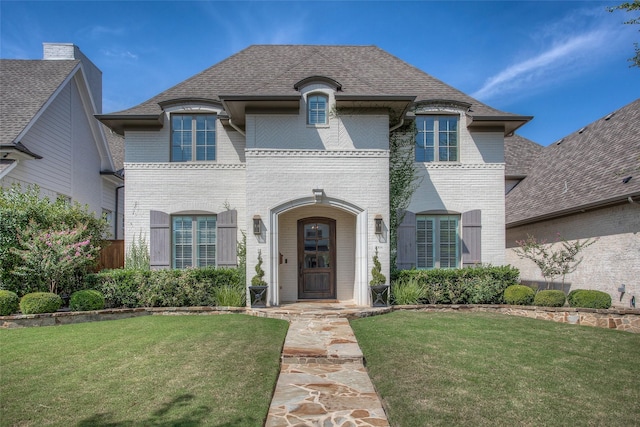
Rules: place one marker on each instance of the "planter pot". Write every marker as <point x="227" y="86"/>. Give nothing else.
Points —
<point x="258" y="296"/>
<point x="380" y="295"/>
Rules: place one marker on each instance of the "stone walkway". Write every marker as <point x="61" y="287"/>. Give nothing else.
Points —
<point x="323" y="381"/>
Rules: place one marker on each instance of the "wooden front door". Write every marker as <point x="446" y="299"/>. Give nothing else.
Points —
<point x="317" y="258"/>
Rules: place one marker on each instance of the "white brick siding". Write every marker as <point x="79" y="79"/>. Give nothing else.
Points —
<point x="613" y="260"/>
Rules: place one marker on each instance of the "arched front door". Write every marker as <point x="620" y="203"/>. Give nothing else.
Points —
<point x="317" y="258"/>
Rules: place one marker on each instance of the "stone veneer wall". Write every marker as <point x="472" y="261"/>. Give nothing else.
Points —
<point x="620" y="319"/>
<point x="625" y="320"/>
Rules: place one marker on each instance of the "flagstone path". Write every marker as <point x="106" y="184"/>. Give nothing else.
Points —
<point x="323" y="381"/>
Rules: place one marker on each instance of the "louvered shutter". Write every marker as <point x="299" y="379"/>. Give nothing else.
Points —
<point x="471" y="238"/>
<point x="227" y="239"/>
<point x="160" y="240"/>
<point x="406" y="248"/>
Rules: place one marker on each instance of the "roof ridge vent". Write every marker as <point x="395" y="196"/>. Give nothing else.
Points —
<point x="560" y="141"/>
<point x="608" y="116"/>
<point x="582" y="129"/>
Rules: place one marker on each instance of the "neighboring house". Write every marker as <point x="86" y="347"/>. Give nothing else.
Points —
<point x="49" y="135"/>
<point x="586" y="186"/>
<point x="290" y="145"/>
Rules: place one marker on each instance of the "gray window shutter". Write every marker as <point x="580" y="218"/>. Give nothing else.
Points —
<point x="471" y="238"/>
<point x="160" y="240"/>
<point x="406" y="254"/>
<point x="227" y="239"/>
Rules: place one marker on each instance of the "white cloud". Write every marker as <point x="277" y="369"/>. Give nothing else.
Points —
<point x="119" y="54"/>
<point x="580" y="41"/>
<point x="565" y="55"/>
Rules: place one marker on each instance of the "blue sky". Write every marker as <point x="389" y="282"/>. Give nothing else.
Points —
<point x="563" y="62"/>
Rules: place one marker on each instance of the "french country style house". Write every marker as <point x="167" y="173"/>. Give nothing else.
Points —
<point x="289" y="145"/>
<point x="49" y="136"/>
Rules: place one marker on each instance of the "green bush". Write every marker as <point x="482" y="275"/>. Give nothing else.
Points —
<point x="9" y="302"/>
<point x="40" y="302"/>
<point x="163" y="288"/>
<point x="477" y="285"/>
<point x="18" y="208"/>
<point x="519" y="295"/>
<point x="589" y="299"/>
<point x="408" y="292"/>
<point x="549" y="298"/>
<point x="86" y="300"/>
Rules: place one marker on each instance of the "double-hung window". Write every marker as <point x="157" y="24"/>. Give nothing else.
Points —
<point x="193" y="241"/>
<point x="437" y="241"/>
<point x="436" y="138"/>
<point x="193" y="137"/>
<point x="317" y="110"/>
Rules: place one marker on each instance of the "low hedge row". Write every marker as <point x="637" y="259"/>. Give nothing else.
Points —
<point x="584" y="298"/>
<point x="164" y="288"/>
<point x="9" y="302"/>
<point x="519" y="295"/>
<point x="40" y="302"/>
<point x="476" y="285"/>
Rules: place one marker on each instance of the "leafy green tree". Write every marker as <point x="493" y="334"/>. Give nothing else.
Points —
<point x="630" y="7"/>
<point x="21" y="209"/>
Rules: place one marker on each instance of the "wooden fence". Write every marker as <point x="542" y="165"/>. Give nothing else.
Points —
<point x="112" y="256"/>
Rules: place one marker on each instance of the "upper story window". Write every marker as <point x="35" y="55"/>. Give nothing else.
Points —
<point x="193" y="137"/>
<point x="437" y="139"/>
<point x="317" y="109"/>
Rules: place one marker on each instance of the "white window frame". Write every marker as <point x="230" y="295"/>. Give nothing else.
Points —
<point x="194" y="242"/>
<point x="311" y="110"/>
<point x="431" y="253"/>
<point x="194" y="137"/>
<point x="441" y="153"/>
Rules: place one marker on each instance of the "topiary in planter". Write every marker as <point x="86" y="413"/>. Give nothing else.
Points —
<point x="585" y="298"/>
<point x="519" y="295"/>
<point x="9" y="302"/>
<point x="86" y="300"/>
<point x="549" y="298"/>
<point x="40" y="302"/>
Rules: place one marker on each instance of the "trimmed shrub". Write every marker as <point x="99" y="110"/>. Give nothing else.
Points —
<point x="408" y="292"/>
<point x="163" y="288"/>
<point x="9" y="302"/>
<point x="519" y="295"/>
<point x="86" y="300"/>
<point x="549" y="298"/>
<point x="40" y="302"/>
<point x="475" y="285"/>
<point x="585" y="298"/>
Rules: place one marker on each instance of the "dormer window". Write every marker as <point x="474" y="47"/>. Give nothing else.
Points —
<point x="193" y="137"/>
<point x="317" y="109"/>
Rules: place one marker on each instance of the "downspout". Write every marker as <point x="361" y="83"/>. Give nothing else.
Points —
<point x="399" y="125"/>
<point x="9" y="168"/>
<point x="115" y="220"/>
<point x="233" y="125"/>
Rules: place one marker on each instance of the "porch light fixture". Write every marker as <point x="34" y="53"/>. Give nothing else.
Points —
<point x="257" y="227"/>
<point x="317" y="194"/>
<point x="378" y="224"/>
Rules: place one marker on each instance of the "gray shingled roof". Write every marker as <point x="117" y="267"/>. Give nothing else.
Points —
<point x="583" y="170"/>
<point x="519" y="155"/>
<point x="25" y="86"/>
<point x="274" y="69"/>
<point x="116" y="147"/>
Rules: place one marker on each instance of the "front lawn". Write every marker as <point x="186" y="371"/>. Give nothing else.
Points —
<point x="481" y="369"/>
<point x="153" y="370"/>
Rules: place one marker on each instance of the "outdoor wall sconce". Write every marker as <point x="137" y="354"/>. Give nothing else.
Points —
<point x="317" y="194"/>
<point x="257" y="226"/>
<point x="622" y="289"/>
<point x="378" y="224"/>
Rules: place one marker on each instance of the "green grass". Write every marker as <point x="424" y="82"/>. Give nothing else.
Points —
<point x="147" y="371"/>
<point x="480" y="369"/>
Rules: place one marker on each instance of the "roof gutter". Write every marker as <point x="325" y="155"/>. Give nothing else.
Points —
<point x="617" y="200"/>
